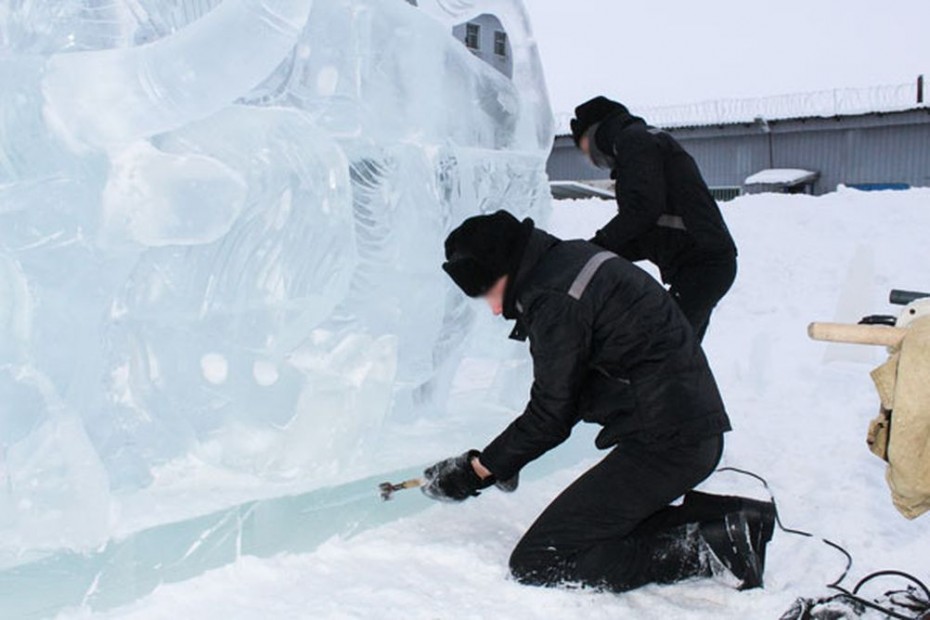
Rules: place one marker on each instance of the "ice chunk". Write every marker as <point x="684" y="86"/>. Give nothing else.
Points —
<point x="107" y="96"/>
<point x="149" y="197"/>
<point x="54" y="488"/>
<point x="221" y="238"/>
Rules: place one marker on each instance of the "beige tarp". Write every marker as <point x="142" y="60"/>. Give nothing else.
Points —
<point x="901" y="432"/>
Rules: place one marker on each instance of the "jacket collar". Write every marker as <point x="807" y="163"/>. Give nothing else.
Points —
<point x="624" y="119"/>
<point x="602" y="139"/>
<point x="537" y="245"/>
<point x="617" y="121"/>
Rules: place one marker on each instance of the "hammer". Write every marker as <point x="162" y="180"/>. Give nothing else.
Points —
<point x="387" y="488"/>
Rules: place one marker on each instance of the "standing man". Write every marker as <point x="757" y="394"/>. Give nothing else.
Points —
<point x="665" y="212"/>
<point x="609" y="347"/>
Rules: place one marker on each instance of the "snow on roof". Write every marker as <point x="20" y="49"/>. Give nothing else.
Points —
<point x="788" y="177"/>
<point x="572" y="189"/>
<point x="825" y="103"/>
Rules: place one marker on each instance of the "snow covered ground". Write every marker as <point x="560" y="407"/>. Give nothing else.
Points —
<point x="800" y="411"/>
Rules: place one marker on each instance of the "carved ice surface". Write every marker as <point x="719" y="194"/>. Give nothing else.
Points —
<point x="221" y="226"/>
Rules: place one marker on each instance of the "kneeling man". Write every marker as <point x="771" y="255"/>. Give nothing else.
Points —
<point x="610" y="347"/>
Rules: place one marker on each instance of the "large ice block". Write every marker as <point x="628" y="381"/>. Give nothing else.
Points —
<point x="222" y="226"/>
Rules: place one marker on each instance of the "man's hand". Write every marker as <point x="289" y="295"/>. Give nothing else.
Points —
<point x="457" y="478"/>
<point x="482" y="471"/>
<point x="507" y="486"/>
<point x="460" y="477"/>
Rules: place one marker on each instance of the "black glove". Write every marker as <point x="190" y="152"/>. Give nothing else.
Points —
<point x="454" y="479"/>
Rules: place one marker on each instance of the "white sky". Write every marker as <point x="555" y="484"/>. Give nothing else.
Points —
<point x="664" y="52"/>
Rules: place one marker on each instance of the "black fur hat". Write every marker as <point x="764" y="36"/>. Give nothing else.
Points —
<point x="591" y="112"/>
<point x="483" y="249"/>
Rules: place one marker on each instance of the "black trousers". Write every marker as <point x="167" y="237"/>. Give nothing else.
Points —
<point x="699" y="285"/>
<point x="601" y="530"/>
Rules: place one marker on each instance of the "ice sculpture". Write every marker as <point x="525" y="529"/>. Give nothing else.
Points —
<point x="221" y="231"/>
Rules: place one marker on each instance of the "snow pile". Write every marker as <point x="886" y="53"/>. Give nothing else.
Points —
<point x="221" y="225"/>
<point x="800" y="410"/>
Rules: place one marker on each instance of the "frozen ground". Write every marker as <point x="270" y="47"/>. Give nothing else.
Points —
<point x="800" y="410"/>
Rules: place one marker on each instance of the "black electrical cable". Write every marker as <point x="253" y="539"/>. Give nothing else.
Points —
<point x="854" y="595"/>
<point x="835" y="585"/>
<point x="893" y="573"/>
<point x="844" y="593"/>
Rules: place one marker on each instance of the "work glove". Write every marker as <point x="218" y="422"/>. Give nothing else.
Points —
<point x="455" y="480"/>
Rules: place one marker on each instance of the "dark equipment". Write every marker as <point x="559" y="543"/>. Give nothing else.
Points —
<point x="902" y="298"/>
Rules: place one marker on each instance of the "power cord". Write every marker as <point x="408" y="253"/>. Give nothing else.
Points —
<point x="835" y="585"/>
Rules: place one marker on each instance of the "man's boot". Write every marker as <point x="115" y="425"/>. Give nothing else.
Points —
<point x="720" y="512"/>
<point x="738" y="542"/>
<point x="730" y="544"/>
<point x="699" y="507"/>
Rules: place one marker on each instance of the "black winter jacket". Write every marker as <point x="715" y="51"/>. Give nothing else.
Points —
<point x="621" y="355"/>
<point x="665" y="212"/>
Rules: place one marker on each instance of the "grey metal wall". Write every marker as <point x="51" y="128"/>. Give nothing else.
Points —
<point x="890" y="154"/>
<point x="566" y="163"/>
<point x="874" y="148"/>
<point x="727" y="161"/>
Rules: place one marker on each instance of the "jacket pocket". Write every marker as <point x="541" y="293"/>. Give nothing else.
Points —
<point x="603" y="397"/>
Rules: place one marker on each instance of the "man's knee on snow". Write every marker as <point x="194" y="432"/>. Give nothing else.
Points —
<point x="545" y="566"/>
<point x="532" y="567"/>
<point x="609" y="565"/>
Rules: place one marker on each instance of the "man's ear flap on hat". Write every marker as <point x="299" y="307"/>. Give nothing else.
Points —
<point x="471" y="276"/>
<point x="576" y="131"/>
